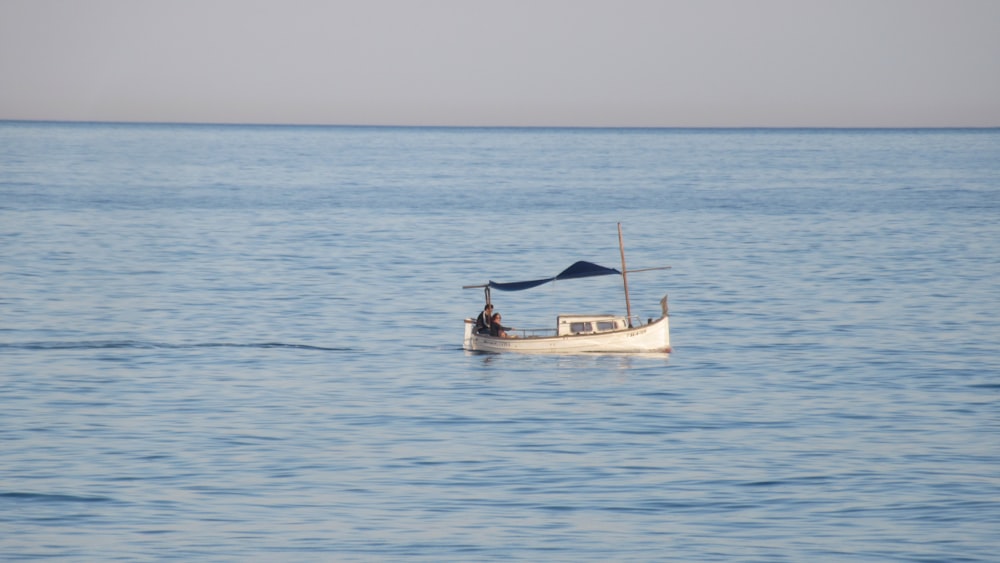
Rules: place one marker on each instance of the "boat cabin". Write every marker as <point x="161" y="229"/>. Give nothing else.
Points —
<point x="567" y="325"/>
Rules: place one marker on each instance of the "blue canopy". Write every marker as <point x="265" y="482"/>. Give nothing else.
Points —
<point x="578" y="270"/>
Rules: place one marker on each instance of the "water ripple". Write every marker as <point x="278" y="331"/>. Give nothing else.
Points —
<point x="52" y="498"/>
<point x="140" y="345"/>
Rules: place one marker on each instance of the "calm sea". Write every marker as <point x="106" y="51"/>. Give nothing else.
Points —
<point x="234" y="343"/>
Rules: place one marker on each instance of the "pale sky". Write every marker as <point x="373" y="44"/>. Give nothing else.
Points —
<point x="646" y="63"/>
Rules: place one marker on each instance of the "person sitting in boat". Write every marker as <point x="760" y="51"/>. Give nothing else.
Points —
<point x="483" y="320"/>
<point x="497" y="329"/>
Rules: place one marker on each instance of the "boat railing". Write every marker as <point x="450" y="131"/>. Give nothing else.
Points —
<point x="636" y="322"/>
<point x="531" y="332"/>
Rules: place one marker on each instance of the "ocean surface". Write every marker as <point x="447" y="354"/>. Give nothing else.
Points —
<point x="243" y="343"/>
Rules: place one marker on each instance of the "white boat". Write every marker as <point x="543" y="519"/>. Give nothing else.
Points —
<point x="578" y="333"/>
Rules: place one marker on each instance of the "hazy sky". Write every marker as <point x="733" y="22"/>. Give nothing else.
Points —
<point x="504" y="62"/>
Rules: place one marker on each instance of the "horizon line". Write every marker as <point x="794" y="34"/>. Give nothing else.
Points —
<point x="432" y="126"/>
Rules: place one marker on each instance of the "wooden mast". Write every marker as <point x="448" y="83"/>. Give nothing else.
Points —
<point x="628" y="304"/>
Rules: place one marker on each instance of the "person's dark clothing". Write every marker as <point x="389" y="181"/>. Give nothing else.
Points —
<point x="483" y="323"/>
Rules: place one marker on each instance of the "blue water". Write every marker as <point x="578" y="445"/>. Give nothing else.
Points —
<point x="244" y="343"/>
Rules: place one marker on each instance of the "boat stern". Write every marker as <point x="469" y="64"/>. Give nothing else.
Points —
<point x="467" y="343"/>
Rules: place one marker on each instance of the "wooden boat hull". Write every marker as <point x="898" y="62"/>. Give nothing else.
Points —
<point x="652" y="337"/>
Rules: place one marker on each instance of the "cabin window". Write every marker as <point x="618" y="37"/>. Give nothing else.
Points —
<point x="605" y="325"/>
<point x="580" y="327"/>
